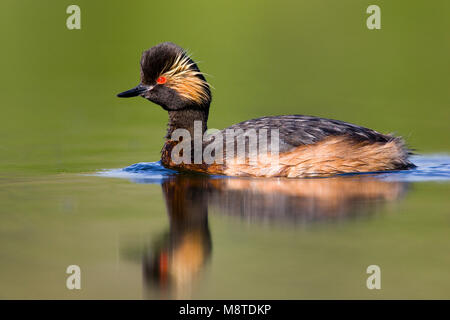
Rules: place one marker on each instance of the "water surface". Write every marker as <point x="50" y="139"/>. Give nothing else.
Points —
<point x="148" y="232"/>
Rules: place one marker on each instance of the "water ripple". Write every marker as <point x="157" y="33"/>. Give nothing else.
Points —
<point x="142" y="172"/>
<point x="429" y="168"/>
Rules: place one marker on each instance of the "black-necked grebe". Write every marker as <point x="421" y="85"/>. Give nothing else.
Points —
<point x="306" y="146"/>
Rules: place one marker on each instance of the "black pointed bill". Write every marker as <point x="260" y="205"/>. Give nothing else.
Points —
<point x="136" y="91"/>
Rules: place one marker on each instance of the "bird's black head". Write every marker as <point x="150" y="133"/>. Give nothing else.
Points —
<point x="171" y="79"/>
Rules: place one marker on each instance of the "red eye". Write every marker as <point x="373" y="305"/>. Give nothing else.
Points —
<point x="161" y="80"/>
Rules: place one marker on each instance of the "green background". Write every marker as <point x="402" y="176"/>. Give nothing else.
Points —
<point x="60" y="117"/>
<point x="58" y="86"/>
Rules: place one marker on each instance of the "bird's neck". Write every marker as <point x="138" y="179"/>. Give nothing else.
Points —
<point x="185" y="119"/>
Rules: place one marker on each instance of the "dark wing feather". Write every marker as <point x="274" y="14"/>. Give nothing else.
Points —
<point x="297" y="130"/>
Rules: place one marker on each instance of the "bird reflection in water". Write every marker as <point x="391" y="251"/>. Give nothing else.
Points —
<point x="178" y="258"/>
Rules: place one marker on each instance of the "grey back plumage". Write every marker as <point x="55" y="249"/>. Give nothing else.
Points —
<point x="297" y="130"/>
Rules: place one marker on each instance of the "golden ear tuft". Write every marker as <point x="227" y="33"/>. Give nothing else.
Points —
<point x="183" y="76"/>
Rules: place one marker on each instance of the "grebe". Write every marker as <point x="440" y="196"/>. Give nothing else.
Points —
<point x="307" y="146"/>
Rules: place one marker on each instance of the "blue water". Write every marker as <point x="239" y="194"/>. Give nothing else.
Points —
<point x="434" y="167"/>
